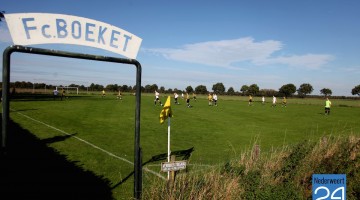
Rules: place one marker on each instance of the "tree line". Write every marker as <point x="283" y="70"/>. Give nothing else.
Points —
<point x="287" y="90"/>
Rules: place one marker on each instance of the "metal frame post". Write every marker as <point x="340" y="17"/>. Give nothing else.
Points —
<point x="31" y="50"/>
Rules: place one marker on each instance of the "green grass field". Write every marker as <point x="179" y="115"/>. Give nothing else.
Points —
<point x="103" y="129"/>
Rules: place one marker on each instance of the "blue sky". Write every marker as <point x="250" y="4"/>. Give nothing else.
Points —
<point x="240" y="42"/>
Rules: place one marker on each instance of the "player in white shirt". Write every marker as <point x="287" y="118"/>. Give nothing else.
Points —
<point x="176" y="96"/>
<point x="274" y="101"/>
<point x="157" y="94"/>
<point x="215" y="99"/>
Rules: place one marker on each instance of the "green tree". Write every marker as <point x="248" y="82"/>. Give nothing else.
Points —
<point x="288" y="89"/>
<point x="92" y="86"/>
<point x="244" y="89"/>
<point x="81" y="87"/>
<point x="112" y="87"/>
<point x="162" y="89"/>
<point x="231" y="91"/>
<point x="125" y="88"/>
<point x="326" y="92"/>
<point x="22" y="84"/>
<point x="43" y="85"/>
<point x="201" y="89"/>
<point x="305" y="89"/>
<point x="147" y="88"/>
<point x="71" y="85"/>
<point x="169" y="91"/>
<point x="189" y="89"/>
<point x="253" y="89"/>
<point x="153" y="87"/>
<point x="96" y="87"/>
<point x="268" y="92"/>
<point x="150" y="88"/>
<point x="218" y="88"/>
<point x="356" y="90"/>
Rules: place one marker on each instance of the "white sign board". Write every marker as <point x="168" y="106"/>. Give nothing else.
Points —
<point x="173" y="166"/>
<point x="47" y="28"/>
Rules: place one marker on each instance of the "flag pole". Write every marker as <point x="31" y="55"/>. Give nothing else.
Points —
<point x="169" y="145"/>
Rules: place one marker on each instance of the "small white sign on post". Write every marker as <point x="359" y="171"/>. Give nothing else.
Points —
<point x="173" y="166"/>
<point x="48" y="28"/>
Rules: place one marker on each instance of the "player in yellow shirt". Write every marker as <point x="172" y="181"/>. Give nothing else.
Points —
<point x="62" y="94"/>
<point x="103" y="93"/>
<point x="210" y="98"/>
<point x="327" y="106"/>
<point x="284" y="102"/>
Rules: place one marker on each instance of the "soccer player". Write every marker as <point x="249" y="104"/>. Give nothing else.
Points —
<point x="210" y="98"/>
<point x="62" y="93"/>
<point x="119" y="96"/>
<point x="176" y="96"/>
<point x="55" y="93"/>
<point x="215" y="99"/>
<point x="327" y="106"/>
<point x="157" y="98"/>
<point x="263" y="100"/>
<point x="194" y="96"/>
<point x="274" y="101"/>
<point x="188" y="100"/>
<point x="250" y="100"/>
<point x="103" y="93"/>
<point x="284" y="102"/>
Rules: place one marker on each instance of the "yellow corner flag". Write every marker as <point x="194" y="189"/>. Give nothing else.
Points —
<point x="166" y="111"/>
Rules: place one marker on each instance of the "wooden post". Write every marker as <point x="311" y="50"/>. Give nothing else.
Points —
<point x="171" y="168"/>
<point x="172" y="179"/>
<point x="172" y="173"/>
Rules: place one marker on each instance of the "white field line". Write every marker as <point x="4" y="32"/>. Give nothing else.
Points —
<point x="90" y="144"/>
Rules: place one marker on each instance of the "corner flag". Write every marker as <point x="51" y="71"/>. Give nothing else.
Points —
<point x="166" y="111"/>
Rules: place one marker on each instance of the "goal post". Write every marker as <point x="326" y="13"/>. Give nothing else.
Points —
<point x="67" y="88"/>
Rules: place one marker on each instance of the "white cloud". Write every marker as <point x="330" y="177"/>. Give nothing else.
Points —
<point x="229" y="53"/>
<point x="309" y="61"/>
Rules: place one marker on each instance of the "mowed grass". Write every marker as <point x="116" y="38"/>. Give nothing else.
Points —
<point x="217" y="133"/>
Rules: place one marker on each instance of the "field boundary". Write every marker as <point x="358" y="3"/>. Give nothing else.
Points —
<point x="88" y="143"/>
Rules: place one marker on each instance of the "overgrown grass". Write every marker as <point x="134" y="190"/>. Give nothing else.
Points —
<point x="282" y="174"/>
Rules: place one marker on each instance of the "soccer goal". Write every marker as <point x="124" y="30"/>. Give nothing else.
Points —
<point x="69" y="90"/>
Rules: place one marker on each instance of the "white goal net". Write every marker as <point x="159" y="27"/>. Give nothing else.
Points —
<point x="68" y="90"/>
